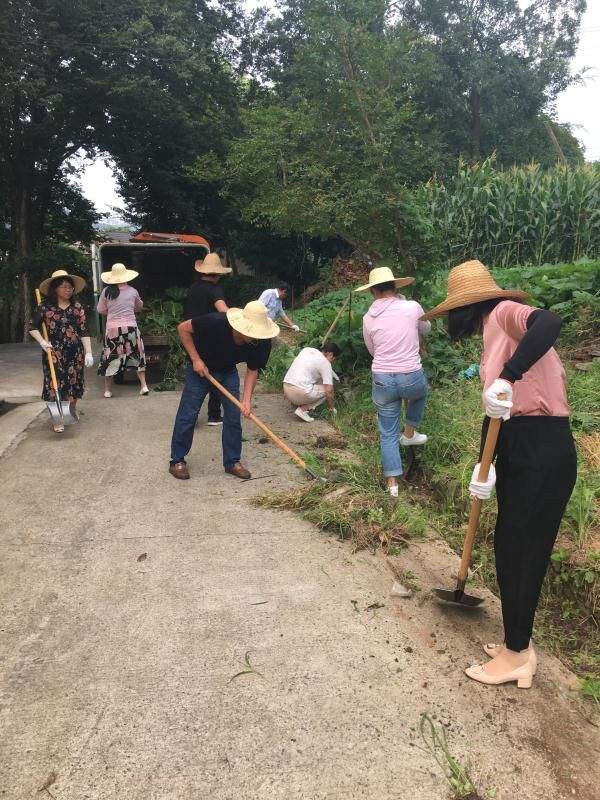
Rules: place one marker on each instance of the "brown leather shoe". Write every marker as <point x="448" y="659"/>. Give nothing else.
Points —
<point x="239" y="471"/>
<point x="179" y="470"/>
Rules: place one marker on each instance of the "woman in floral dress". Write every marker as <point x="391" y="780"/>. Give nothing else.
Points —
<point x="68" y="339"/>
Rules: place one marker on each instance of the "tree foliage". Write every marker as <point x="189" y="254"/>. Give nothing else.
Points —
<point x="358" y="101"/>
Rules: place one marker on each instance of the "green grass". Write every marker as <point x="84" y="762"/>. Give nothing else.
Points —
<point x="568" y="619"/>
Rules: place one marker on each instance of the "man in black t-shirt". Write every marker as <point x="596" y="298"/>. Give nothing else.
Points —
<point x="216" y="343"/>
<point x="205" y="296"/>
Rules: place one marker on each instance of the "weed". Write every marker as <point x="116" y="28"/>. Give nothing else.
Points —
<point x="457" y="775"/>
<point x="409" y="580"/>
<point x="249" y="669"/>
<point x="590" y="688"/>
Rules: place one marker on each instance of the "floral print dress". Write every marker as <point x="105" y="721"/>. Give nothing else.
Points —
<point x="66" y="327"/>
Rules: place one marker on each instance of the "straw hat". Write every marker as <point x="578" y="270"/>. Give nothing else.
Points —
<point x="383" y="275"/>
<point x="119" y="274"/>
<point x="469" y="283"/>
<point x="62" y="273"/>
<point x="252" y="321"/>
<point x="211" y="266"/>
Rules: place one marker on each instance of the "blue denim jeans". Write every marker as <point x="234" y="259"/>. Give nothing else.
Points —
<point x="192" y="397"/>
<point x="389" y="390"/>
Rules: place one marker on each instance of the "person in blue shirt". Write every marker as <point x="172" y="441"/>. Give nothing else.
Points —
<point x="273" y="300"/>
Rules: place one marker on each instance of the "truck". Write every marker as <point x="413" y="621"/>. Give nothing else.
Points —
<point x="164" y="261"/>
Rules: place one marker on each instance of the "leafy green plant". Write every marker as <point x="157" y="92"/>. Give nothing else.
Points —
<point x="582" y="508"/>
<point x="457" y="775"/>
<point x="590" y="689"/>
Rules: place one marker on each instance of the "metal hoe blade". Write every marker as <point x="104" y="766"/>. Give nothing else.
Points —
<point x="458" y="596"/>
<point x="314" y="475"/>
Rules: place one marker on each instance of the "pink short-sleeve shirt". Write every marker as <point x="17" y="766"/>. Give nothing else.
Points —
<point x="542" y="391"/>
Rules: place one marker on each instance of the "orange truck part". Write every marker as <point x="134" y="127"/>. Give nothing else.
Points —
<point x="183" y="238"/>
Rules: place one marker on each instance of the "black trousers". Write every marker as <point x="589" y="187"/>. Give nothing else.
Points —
<point x="215" y="399"/>
<point x="536" y="469"/>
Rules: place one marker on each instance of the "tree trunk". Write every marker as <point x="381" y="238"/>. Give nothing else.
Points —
<point x="475" y="103"/>
<point x="15" y="315"/>
<point x="232" y="260"/>
<point x="23" y="253"/>
<point x="26" y="304"/>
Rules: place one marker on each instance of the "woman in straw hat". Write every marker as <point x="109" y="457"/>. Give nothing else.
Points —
<point x="215" y="344"/>
<point x="205" y="296"/>
<point x="123" y="345"/>
<point x="536" y="464"/>
<point x="68" y="338"/>
<point x="391" y="330"/>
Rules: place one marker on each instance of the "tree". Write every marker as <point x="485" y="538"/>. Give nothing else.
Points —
<point x="502" y="66"/>
<point x="330" y="150"/>
<point x="176" y="99"/>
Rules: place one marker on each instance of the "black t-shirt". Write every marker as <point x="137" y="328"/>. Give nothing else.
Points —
<point x="201" y="299"/>
<point x="213" y="337"/>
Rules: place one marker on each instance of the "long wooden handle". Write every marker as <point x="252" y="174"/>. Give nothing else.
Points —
<point x="38" y="297"/>
<point x="275" y="439"/>
<point x="336" y="320"/>
<point x="484" y="469"/>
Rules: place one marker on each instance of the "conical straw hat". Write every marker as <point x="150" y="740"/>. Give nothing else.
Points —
<point x="252" y="321"/>
<point x="469" y="283"/>
<point x="212" y="266"/>
<point x="62" y="273"/>
<point x="383" y="275"/>
<point x="119" y="274"/>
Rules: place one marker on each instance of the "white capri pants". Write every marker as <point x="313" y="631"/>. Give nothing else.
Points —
<point x="301" y="397"/>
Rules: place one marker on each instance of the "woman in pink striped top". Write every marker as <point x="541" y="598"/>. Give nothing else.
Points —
<point x="123" y="345"/>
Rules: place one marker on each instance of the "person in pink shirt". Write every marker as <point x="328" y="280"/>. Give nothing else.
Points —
<point x="123" y="345"/>
<point x="536" y="463"/>
<point x="391" y="330"/>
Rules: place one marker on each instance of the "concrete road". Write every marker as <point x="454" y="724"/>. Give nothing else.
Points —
<point x="132" y="604"/>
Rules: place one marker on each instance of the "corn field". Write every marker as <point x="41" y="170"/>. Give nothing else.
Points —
<point x="525" y="215"/>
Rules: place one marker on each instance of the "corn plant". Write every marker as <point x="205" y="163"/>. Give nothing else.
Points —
<point x="524" y="215"/>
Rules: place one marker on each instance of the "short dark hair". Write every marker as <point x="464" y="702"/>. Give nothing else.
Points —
<point x="283" y="286"/>
<point x="55" y="283"/>
<point x="331" y="347"/>
<point x="467" y="320"/>
<point x="385" y="287"/>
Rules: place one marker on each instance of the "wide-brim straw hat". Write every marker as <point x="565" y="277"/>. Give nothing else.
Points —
<point x="119" y="274"/>
<point x="78" y="282"/>
<point x="384" y="275"/>
<point x="253" y="321"/>
<point x="212" y="266"/>
<point x="469" y="283"/>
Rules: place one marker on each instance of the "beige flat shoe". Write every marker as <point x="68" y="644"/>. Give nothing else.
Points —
<point x="493" y="650"/>
<point x="522" y="676"/>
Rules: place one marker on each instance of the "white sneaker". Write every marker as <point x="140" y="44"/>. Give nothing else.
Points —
<point x="416" y="438"/>
<point x="304" y="415"/>
<point x="144" y="392"/>
<point x="393" y="490"/>
<point x="107" y="394"/>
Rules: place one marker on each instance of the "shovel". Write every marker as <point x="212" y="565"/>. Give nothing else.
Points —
<point x="458" y="595"/>
<point x="60" y="411"/>
<point x="275" y="439"/>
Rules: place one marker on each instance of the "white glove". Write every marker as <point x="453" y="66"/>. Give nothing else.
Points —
<point x="89" y="360"/>
<point x="46" y="346"/>
<point x="494" y="407"/>
<point x="482" y="490"/>
<point x="295" y="328"/>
